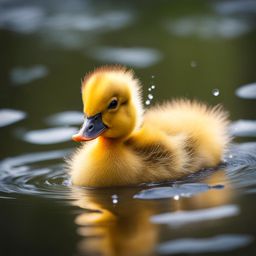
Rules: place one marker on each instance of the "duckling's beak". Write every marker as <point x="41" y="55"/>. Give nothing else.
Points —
<point x="91" y="129"/>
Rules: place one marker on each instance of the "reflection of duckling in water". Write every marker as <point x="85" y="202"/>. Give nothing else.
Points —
<point x="115" y="229"/>
<point x="123" y="227"/>
<point x="168" y="142"/>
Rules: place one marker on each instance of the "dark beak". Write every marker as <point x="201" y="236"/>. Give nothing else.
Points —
<point x="91" y="129"/>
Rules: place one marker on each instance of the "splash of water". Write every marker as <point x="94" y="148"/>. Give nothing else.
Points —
<point x="150" y="96"/>
<point x="114" y="199"/>
<point x="216" y="92"/>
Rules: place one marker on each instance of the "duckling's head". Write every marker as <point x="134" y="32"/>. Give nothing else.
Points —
<point x="112" y="104"/>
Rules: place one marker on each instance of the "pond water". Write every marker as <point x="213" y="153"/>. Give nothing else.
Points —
<point x="196" y="49"/>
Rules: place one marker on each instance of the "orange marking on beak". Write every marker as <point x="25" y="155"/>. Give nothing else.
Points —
<point x="78" y="138"/>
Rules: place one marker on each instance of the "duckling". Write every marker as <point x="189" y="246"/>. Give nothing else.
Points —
<point x="126" y="145"/>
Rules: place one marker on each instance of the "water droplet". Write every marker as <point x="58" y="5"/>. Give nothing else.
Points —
<point x="153" y="87"/>
<point x="193" y="64"/>
<point x="147" y="102"/>
<point x="149" y="89"/>
<point x="176" y="197"/>
<point x="215" y="92"/>
<point x="114" y="199"/>
<point x="150" y="96"/>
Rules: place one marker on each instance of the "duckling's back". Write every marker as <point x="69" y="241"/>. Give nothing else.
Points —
<point x="201" y="131"/>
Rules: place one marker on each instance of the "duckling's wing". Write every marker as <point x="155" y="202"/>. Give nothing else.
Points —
<point x="154" y="153"/>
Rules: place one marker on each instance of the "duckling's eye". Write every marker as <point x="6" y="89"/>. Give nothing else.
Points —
<point x="113" y="104"/>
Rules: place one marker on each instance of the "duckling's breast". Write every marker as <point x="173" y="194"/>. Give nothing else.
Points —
<point x="101" y="164"/>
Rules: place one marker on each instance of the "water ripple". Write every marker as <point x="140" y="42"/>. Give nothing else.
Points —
<point x="184" y="217"/>
<point x="49" y="135"/>
<point x="138" y="57"/>
<point x="208" y="27"/>
<point x="174" y="191"/>
<point x="21" y="175"/>
<point x="25" y="19"/>
<point x="219" y="243"/>
<point x="21" y="75"/>
<point x="247" y="91"/>
<point x="243" y="128"/>
<point x="66" y="118"/>
<point x="10" y="116"/>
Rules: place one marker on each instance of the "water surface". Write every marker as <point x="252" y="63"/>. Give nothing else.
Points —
<point x="204" y="50"/>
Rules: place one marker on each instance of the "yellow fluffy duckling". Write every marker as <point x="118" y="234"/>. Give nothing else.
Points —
<point x="127" y="147"/>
